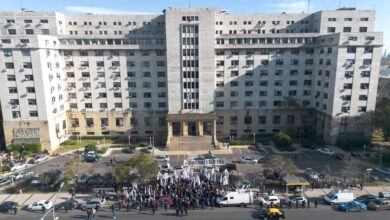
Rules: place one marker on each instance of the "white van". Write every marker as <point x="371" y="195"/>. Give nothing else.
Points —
<point x="337" y="196"/>
<point x="241" y="198"/>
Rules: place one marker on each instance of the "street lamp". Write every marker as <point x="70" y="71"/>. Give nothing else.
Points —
<point x="364" y="151"/>
<point x="54" y="203"/>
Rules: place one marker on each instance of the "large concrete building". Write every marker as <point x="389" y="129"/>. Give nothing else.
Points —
<point x="186" y="72"/>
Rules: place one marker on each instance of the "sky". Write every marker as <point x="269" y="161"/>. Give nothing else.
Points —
<point x="382" y="7"/>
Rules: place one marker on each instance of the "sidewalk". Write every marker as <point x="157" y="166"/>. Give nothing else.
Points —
<point x="374" y="190"/>
<point x="28" y="198"/>
<point x="158" y="152"/>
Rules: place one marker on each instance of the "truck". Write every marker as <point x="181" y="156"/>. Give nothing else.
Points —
<point x="240" y="198"/>
<point x="338" y="196"/>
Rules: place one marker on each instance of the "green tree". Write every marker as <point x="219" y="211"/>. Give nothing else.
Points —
<point x="381" y="118"/>
<point x="144" y="166"/>
<point x="73" y="168"/>
<point x="90" y="147"/>
<point x="282" y="140"/>
<point x="282" y="165"/>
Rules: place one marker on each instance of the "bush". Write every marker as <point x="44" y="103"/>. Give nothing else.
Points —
<point x="29" y="149"/>
<point x="119" y="146"/>
<point x="352" y="142"/>
<point x="70" y="142"/>
<point x="242" y="142"/>
<point x="101" y="150"/>
<point x="90" y="147"/>
<point x="142" y="144"/>
<point x="283" y="142"/>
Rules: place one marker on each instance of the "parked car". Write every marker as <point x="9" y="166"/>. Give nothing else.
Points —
<point x="384" y="195"/>
<point x="354" y="205"/>
<point x="308" y="146"/>
<point x="270" y="174"/>
<point x="36" y="180"/>
<point x="248" y="160"/>
<point x="383" y="170"/>
<point x="271" y="213"/>
<point x="228" y="166"/>
<point x="296" y="198"/>
<point x="71" y="204"/>
<point x="22" y="175"/>
<point x="209" y="156"/>
<point x="92" y="154"/>
<point x="162" y="159"/>
<point x="91" y="159"/>
<point x="41" y="205"/>
<point x="129" y="150"/>
<point x="8" y="206"/>
<point x="274" y="200"/>
<point x="366" y="198"/>
<point x="166" y="166"/>
<point x="40" y="158"/>
<point x="339" y="156"/>
<point x="311" y="174"/>
<point x="4" y="181"/>
<point x="326" y="151"/>
<point x="379" y="204"/>
<point x="93" y="203"/>
<point x="149" y="149"/>
<point x="338" y="196"/>
<point x="18" y="166"/>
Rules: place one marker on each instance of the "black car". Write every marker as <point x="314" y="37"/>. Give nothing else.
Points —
<point x="308" y="146"/>
<point x="70" y="204"/>
<point x="129" y="150"/>
<point x="7" y="206"/>
<point x="229" y="167"/>
<point x="339" y="156"/>
<point x="366" y="198"/>
<point x="91" y="159"/>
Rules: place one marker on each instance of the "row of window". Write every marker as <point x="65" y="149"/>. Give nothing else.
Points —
<point x="262" y="103"/>
<point x="346" y="29"/>
<point x="130" y="41"/>
<point x="264" y="83"/>
<point x="115" y="23"/>
<point x="261" y="119"/>
<point x="119" y="122"/>
<point x="88" y="95"/>
<point x="261" y="93"/>
<point x="16" y="114"/>
<point x="133" y="105"/>
<point x="118" y="74"/>
<point x="132" y="85"/>
<point x="275" y="22"/>
<point x="29" y="32"/>
<point x="99" y="53"/>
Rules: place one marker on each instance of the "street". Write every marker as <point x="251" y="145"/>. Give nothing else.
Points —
<point x="230" y="213"/>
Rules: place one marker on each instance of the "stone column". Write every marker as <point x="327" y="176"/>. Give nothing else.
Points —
<point x="199" y="128"/>
<point x="214" y="131"/>
<point x="184" y="128"/>
<point x="170" y="133"/>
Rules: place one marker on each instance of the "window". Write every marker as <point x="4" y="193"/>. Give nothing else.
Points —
<point x="12" y="90"/>
<point x="351" y="50"/>
<point x="119" y="122"/>
<point x="364" y="86"/>
<point x="362" y="29"/>
<point x="247" y="120"/>
<point x="347" y="29"/>
<point x="9" y="65"/>
<point x="11" y="77"/>
<point x="276" y="119"/>
<point x="331" y="29"/>
<point x="11" y="31"/>
<point x="26" y="52"/>
<point x="262" y="119"/>
<point x="75" y="122"/>
<point x="234" y="83"/>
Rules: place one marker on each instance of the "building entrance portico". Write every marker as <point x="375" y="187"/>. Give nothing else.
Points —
<point x="191" y="131"/>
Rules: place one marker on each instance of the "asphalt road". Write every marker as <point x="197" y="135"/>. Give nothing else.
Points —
<point x="230" y="213"/>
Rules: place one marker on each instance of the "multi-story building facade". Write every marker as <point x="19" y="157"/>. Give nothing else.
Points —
<point x="200" y="72"/>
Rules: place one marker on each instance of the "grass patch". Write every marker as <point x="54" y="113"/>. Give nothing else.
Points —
<point x="71" y="145"/>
